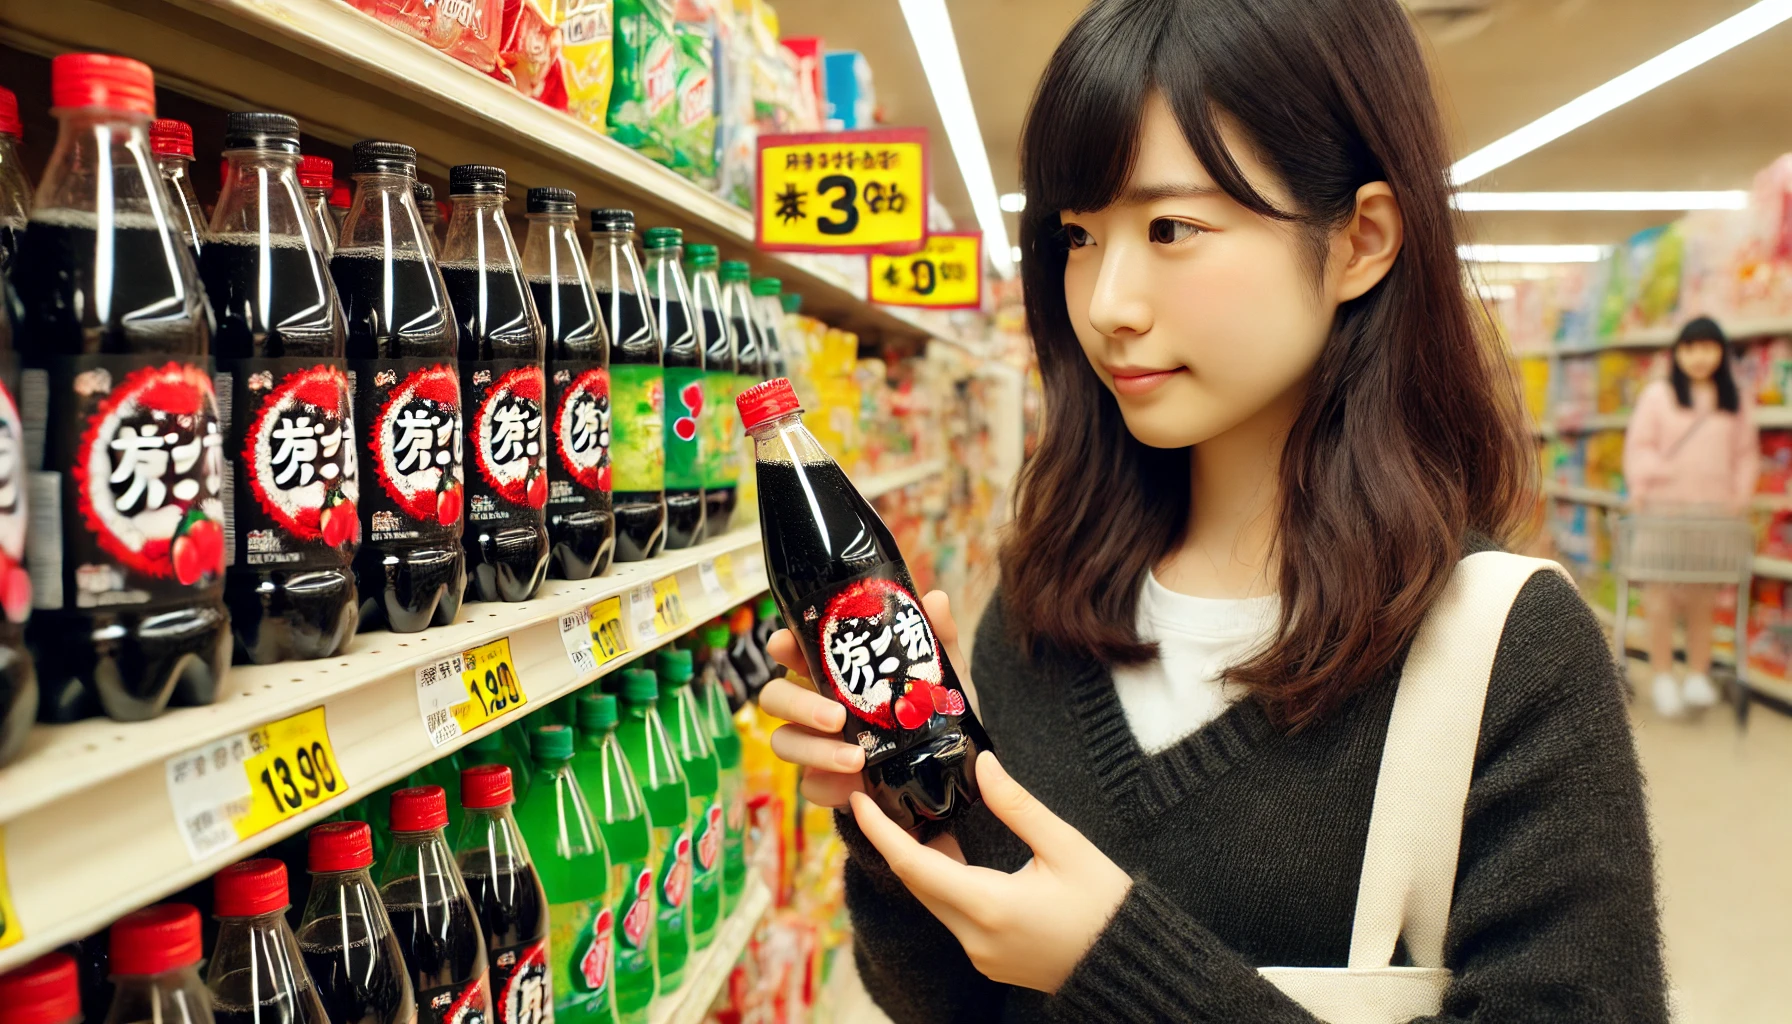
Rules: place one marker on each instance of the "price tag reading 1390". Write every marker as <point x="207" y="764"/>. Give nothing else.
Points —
<point x="461" y="692"/>
<point x="236" y="787"/>
<point x="843" y="191"/>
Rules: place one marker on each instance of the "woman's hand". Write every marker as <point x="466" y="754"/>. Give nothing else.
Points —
<point x="1029" y="928"/>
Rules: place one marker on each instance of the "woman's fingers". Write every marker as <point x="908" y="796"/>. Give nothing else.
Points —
<point x="935" y="876"/>
<point x="798" y="745"/>
<point x="830" y="789"/>
<point x="939" y="612"/>
<point x="781" y="645"/>
<point x="802" y="706"/>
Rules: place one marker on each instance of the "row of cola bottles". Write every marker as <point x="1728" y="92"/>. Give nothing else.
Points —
<point x="570" y="883"/>
<point x="274" y="427"/>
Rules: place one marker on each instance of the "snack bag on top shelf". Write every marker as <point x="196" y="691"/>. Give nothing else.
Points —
<point x="466" y="30"/>
<point x="737" y="134"/>
<point x="1656" y="256"/>
<point x="644" y="96"/>
<point x="694" y="138"/>
<point x="587" y="60"/>
<point x="529" y="47"/>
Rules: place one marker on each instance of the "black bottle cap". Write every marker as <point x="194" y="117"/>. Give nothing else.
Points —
<point x="423" y="193"/>
<point x="612" y="220"/>
<point x="373" y="156"/>
<point x="476" y="179"/>
<point x="261" y="131"/>
<point x="553" y="200"/>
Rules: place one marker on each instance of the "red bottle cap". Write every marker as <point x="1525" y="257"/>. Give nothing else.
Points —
<point x="340" y="846"/>
<point x="341" y="197"/>
<point x="45" y="991"/>
<point x="485" y="785"/>
<point x="419" y="809"/>
<point x="156" y="939"/>
<point x="9" y="114"/>
<point x="250" y="889"/>
<point x="102" y="80"/>
<point x="168" y="137"/>
<point x="766" y="400"/>
<point x="316" y="172"/>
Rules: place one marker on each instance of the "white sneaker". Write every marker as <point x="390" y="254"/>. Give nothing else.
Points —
<point x="1698" y="691"/>
<point x="1667" y="697"/>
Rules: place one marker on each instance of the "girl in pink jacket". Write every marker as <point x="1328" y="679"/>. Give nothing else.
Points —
<point x="1691" y="447"/>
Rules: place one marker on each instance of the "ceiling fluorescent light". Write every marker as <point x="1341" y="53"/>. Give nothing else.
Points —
<point x="1013" y="202"/>
<point x="1481" y="201"/>
<point x="1669" y="65"/>
<point x="1533" y="253"/>
<point x="931" y="28"/>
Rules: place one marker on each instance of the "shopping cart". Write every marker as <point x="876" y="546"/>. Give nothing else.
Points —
<point x="1691" y="547"/>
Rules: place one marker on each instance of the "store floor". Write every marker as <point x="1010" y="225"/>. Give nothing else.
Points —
<point x="1722" y="808"/>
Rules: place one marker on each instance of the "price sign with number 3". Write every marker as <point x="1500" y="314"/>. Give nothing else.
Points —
<point x="843" y="191"/>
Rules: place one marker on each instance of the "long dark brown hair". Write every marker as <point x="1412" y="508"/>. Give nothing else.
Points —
<point x="1411" y="434"/>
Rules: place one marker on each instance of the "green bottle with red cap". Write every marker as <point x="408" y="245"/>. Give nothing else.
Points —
<point x="45" y="991"/>
<point x="575" y="872"/>
<point x="255" y="973"/>
<point x="621" y="812"/>
<point x="690" y="739"/>
<point x="655" y="763"/>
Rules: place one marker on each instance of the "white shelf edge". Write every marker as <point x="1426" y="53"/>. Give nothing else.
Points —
<point x="704" y="978"/>
<point x="896" y="479"/>
<point x="1584" y="495"/>
<point x="1663" y="335"/>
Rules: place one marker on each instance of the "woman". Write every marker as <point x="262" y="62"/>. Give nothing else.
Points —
<point x="1273" y="431"/>
<point x="1691" y="449"/>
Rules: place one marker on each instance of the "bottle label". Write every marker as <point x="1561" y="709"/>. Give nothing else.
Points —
<point x="410" y="409"/>
<point x="292" y="439"/>
<point x="638" y="399"/>
<point x="675" y="883"/>
<point x="15" y="581"/>
<point x="721" y="451"/>
<point x="734" y="840"/>
<point x="685" y="417"/>
<point x="636" y="915"/>
<point x="879" y="655"/>
<point x="709" y="844"/>
<point x="467" y="1003"/>
<point x="579" y="942"/>
<point x="143" y="492"/>
<point x="581" y="403"/>
<point x="508" y="434"/>
<point x="521" y="990"/>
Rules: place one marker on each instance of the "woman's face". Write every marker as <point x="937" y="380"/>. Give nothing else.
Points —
<point x="1193" y="310"/>
<point x="1699" y="360"/>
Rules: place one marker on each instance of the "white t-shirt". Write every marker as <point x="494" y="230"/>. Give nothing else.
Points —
<point x="1198" y="638"/>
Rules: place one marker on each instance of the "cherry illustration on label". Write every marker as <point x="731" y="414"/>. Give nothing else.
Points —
<point x="881" y="658"/>
<point x="299" y="451"/>
<point x="415" y="441"/>
<point x="691" y="396"/>
<point x="508" y="451"/>
<point x="582" y="429"/>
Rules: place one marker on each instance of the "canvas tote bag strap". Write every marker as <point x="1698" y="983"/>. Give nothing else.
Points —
<point x="1415" y="829"/>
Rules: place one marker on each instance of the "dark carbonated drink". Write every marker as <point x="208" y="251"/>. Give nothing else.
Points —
<point x="425" y="195"/>
<point x="345" y="938"/>
<point x="581" y="526"/>
<point x="840" y="582"/>
<point x="256" y="975"/>
<point x="432" y="914"/>
<point x="15" y="193"/>
<point x="172" y="143"/>
<point x="682" y="385"/>
<point x="503" y="392"/>
<point x="403" y="371"/>
<point x="117" y="381"/>
<point x="637" y="392"/>
<point x="512" y="908"/>
<point x="289" y="585"/>
<point x="18" y="679"/>
<point x="721" y="369"/>
<point x="155" y="967"/>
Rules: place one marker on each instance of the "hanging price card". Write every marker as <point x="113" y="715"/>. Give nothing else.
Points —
<point x="843" y="191"/>
<point x="594" y="636"/>
<point x="11" y="928"/>
<point x="461" y="692"/>
<point x="238" y="786"/>
<point x="641" y="613"/>
<point x="947" y="274"/>
<point x="668" y="606"/>
<point x="575" y="636"/>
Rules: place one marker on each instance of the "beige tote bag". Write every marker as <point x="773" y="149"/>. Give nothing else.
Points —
<point x="1415" y="828"/>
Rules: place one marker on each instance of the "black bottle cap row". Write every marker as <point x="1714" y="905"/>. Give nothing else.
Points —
<point x="612" y="220"/>
<point x="553" y="200"/>
<point x="257" y="130"/>
<point x="373" y="156"/>
<point x="476" y="179"/>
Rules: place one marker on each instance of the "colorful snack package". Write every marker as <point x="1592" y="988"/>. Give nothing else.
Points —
<point x="529" y="46"/>
<point x="587" y="60"/>
<point x="694" y="135"/>
<point x="643" y="100"/>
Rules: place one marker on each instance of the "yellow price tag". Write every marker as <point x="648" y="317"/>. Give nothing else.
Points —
<point x="292" y="769"/>
<point x="609" y="640"/>
<point x="947" y="274"/>
<point x="11" y="928"/>
<point x="461" y="692"/>
<point x="668" y="606"/>
<point x="860" y="191"/>
<point x="725" y="571"/>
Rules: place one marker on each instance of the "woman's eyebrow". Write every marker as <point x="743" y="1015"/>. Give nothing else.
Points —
<point x="1154" y="192"/>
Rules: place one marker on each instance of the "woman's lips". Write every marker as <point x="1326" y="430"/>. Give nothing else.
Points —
<point x="1135" y="383"/>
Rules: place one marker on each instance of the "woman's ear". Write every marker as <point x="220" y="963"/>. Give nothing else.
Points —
<point x="1364" y="250"/>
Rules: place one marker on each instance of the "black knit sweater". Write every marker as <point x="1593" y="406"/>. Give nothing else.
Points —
<point x="1245" y="846"/>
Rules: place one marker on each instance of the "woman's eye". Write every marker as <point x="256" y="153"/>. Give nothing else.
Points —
<point x="1076" y="237"/>
<point x="1165" y="231"/>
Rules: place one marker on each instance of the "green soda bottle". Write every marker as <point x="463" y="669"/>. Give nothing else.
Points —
<point x="690" y="738"/>
<point x="621" y="812"/>
<point x="655" y="764"/>
<point x="712" y="703"/>
<point x="499" y="747"/>
<point x="575" y="873"/>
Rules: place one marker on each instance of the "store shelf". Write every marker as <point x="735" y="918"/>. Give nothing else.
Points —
<point x="1588" y="424"/>
<point x="1773" y="568"/>
<point x="707" y="972"/>
<point x="1584" y="495"/>
<point x="345" y="76"/>
<point x="1773" y="416"/>
<point x="897" y="479"/>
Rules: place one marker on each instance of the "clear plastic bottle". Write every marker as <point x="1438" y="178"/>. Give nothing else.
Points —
<point x="154" y="957"/>
<point x="581" y="525"/>
<point x="345" y="938"/>
<point x="45" y="991"/>
<point x="431" y="913"/>
<point x="621" y="813"/>
<point x="690" y="739"/>
<point x="769" y="313"/>
<point x="637" y="390"/>
<point x="503" y="391"/>
<point x="256" y="975"/>
<point x="715" y="688"/>
<point x="317" y="176"/>
<point x="172" y="143"/>
<point x="342" y="199"/>
<point x="685" y="411"/>
<point x="721" y="370"/>
<point x="425" y="195"/>
<point x="290" y="585"/>
<point x="655" y="763"/>
<point x="513" y="909"/>
<point x="111" y="296"/>
<point x="737" y="309"/>
<point x="15" y="192"/>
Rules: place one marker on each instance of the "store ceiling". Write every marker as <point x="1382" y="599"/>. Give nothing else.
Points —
<point x="1500" y="64"/>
